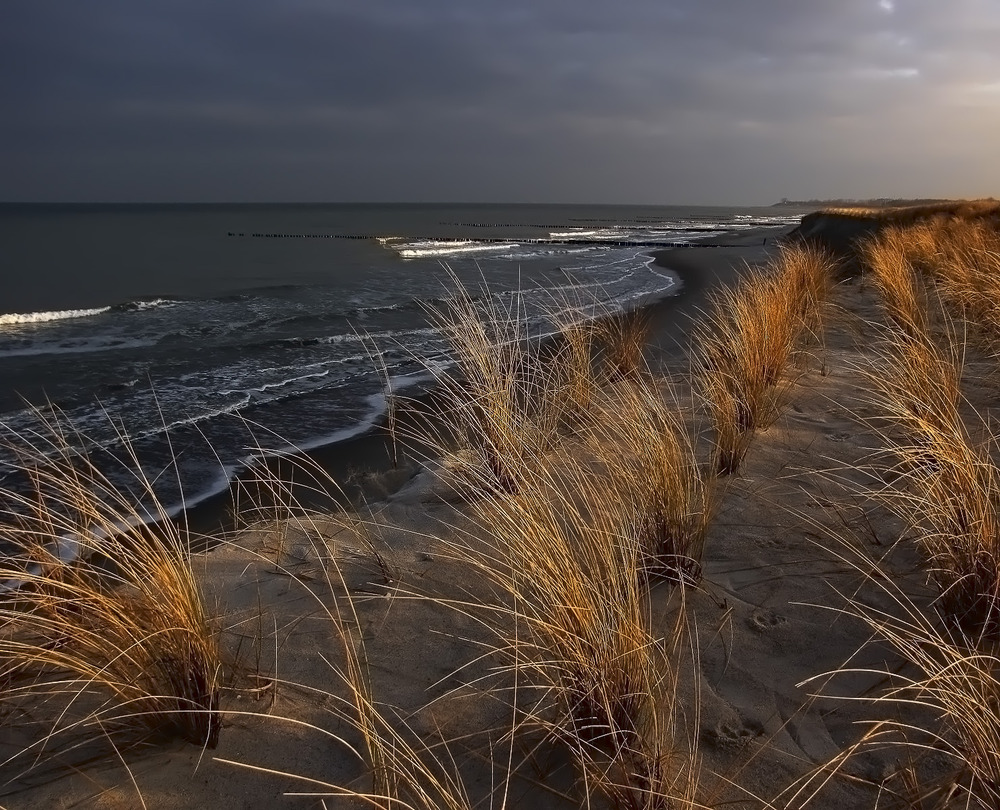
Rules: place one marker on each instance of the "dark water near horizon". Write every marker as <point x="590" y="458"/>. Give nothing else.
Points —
<point x="203" y="334"/>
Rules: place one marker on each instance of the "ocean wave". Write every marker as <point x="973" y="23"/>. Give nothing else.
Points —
<point x="554" y="251"/>
<point x="18" y="318"/>
<point x="424" y="303"/>
<point x="84" y="346"/>
<point x="398" y="336"/>
<point x="141" y="305"/>
<point x="415" y="250"/>
<point x="285" y="383"/>
<point x="50" y="316"/>
<point x="571" y="234"/>
<point x="764" y="221"/>
<point x="376" y="308"/>
<point x="367" y="337"/>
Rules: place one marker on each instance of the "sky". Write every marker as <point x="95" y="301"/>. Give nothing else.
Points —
<point x="602" y="101"/>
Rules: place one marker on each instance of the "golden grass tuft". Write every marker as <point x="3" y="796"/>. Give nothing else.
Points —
<point x="569" y="378"/>
<point x="567" y="555"/>
<point x="950" y="484"/>
<point x="936" y="275"/>
<point x="958" y="258"/>
<point x="612" y="495"/>
<point x="642" y="440"/>
<point x="949" y="488"/>
<point x="887" y="255"/>
<point x="514" y="396"/>
<point x="622" y="338"/>
<point x="571" y="619"/>
<point x="103" y="624"/>
<point x="950" y="693"/>
<point x="748" y="340"/>
<point x="493" y="405"/>
<point x="962" y="259"/>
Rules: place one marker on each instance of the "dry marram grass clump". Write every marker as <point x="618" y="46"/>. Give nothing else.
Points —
<point x="102" y="624"/>
<point x="748" y="341"/>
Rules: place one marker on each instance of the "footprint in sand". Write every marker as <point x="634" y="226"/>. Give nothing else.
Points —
<point x="732" y="733"/>
<point x="764" y="620"/>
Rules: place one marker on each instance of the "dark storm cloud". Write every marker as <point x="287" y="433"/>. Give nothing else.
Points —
<point x="690" y="100"/>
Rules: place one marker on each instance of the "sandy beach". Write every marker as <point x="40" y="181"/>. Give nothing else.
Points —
<point x="788" y="546"/>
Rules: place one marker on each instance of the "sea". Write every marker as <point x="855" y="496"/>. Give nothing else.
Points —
<point x="177" y="344"/>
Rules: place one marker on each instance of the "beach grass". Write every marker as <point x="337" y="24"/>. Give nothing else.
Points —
<point x="103" y="625"/>
<point x="514" y="396"/>
<point x="571" y="624"/>
<point x="622" y="338"/>
<point x="748" y="341"/>
<point x="567" y="554"/>
<point x="492" y="403"/>
<point x="937" y="709"/>
<point x="578" y="525"/>
<point x="646" y="444"/>
<point x="961" y="258"/>
<point x="888" y="256"/>
<point x="949" y="482"/>
<point x="938" y="713"/>
<point x="948" y="487"/>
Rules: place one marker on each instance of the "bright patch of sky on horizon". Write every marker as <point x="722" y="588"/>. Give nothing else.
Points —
<point x="673" y="101"/>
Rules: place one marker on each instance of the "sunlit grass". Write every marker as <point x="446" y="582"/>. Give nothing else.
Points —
<point x="748" y="340"/>
<point x="102" y="623"/>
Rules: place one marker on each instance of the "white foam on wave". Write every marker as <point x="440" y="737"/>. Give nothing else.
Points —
<point x="20" y="318"/>
<point x="27" y="318"/>
<point x="617" y="234"/>
<point x="746" y="221"/>
<point x="673" y="280"/>
<point x="415" y="250"/>
<point x="185" y="421"/>
<point x="377" y="408"/>
<point x="153" y="303"/>
<point x="285" y="383"/>
<point x="365" y="337"/>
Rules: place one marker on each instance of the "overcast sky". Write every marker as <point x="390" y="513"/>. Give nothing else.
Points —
<point x="647" y="101"/>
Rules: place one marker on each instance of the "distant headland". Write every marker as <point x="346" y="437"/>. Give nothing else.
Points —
<point x="878" y="202"/>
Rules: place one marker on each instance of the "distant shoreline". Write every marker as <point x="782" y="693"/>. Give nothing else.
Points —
<point x="877" y="202"/>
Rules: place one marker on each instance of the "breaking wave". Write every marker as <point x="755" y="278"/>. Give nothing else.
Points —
<point x="18" y="318"/>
